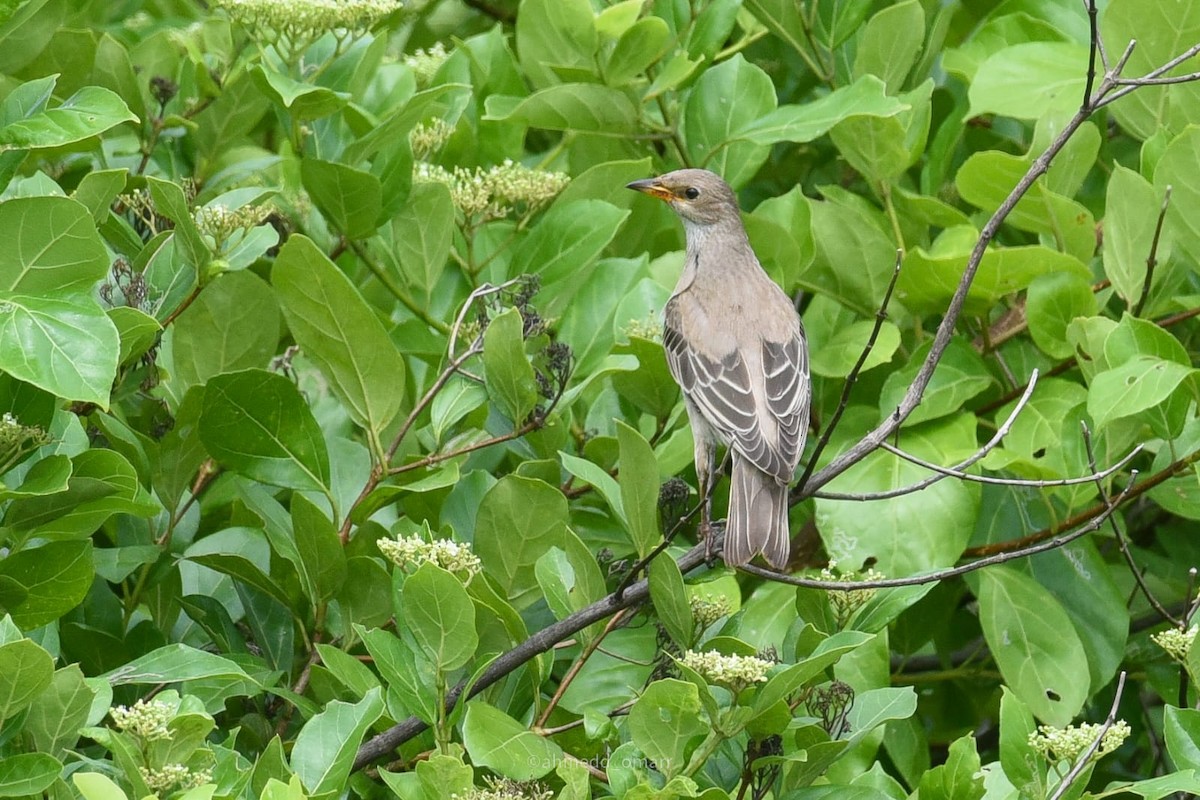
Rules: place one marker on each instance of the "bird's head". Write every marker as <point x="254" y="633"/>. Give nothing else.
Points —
<point x="697" y="195"/>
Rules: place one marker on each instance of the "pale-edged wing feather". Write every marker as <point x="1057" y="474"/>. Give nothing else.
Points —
<point x="722" y="391"/>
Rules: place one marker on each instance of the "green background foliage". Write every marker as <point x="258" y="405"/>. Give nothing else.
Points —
<point x="275" y="290"/>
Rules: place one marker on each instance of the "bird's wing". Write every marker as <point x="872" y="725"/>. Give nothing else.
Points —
<point x="789" y="393"/>
<point x="723" y="391"/>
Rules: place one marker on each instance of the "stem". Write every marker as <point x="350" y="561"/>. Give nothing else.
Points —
<point x="397" y="291"/>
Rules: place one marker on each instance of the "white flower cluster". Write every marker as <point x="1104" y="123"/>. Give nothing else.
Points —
<point x="707" y="610"/>
<point x="1067" y="744"/>
<point x="145" y="720"/>
<point x="1175" y="642"/>
<point x="412" y="551"/>
<point x="495" y="192"/>
<point x="429" y="137"/>
<point x="735" y="672"/>
<point x="16" y="440"/>
<point x="846" y="602"/>
<point x="173" y="775"/>
<point x="307" y="19"/>
<point x="426" y="63"/>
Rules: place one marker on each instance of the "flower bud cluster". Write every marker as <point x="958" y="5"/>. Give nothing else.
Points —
<point x="1067" y="744"/>
<point x="846" y="602"/>
<point x="222" y="224"/>
<point x="506" y="789"/>
<point x="734" y="672"/>
<point x="413" y="551"/>
<point x="495" y="192"/>
<point x="16" y="440"/>
<point x="1175" y="642"/>
<point x="708" y="609"/>
<point x="145" y="720"/>
<point x="174" y="775"/>
<point x="429" y="137"/>
<point x="301" y="20"/>
<point x="426" y="63"/>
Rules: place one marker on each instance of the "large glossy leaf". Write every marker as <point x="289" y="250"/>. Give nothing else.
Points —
<point x="725" y="100"/>
<point x="1034" y="644"/>
<point x="324" y="751"/>
<point x="58" y="250"/>
<point x="257" y="423"/>
<point x="87" y="113"/>
<point x="519" y="520"/>
<point x="69" y="348"/>
<point x="340" y="332"/>
<point x="497" y="741"/>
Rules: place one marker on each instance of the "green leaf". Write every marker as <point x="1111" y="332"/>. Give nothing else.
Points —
<point x="440" y="616"/>
<point x="960" y="375"/>
<point x="58" y="250"/>
<point x="555" y="33"/>
<point x="510" y="377"/>
<point x="340" y="332"/>
<point x="867" y="96"/>
<point x="912" y="532"/>
<point x="1034" y="644"/>
<point x="1030" y="80"/>
<point x="323" y="755"/>
<point x="1181" y="727"/>
<point x="665" y="724"/>
<point x="303" y="100"/>
<point x="352" y="200"/>
<point x="1160" y="33"/>
<point x="422" y="233"/>
<point x="642" y="44"/>
<point x="795" y="677"/>
<point x="69" y="348"/>
<point x="95" y="786"/>
<point x="638" y="478"/>
<point x="1022" y="765"/>
<point x="257" y="423"/>
<point x="929" y="277"/>
<point x="1131" y="215"/>
<point x="1052" y="304"/>
<point x="174" y="663"/>
<point x="234" y="324"/>
<point x="723" y="102"/>
<point x="959" y="778"/>
<point x="89" y="112"/>
<point x="564" y="243"/>
<point x="889" y="43"/>
<point x="320" y="550"/>
<point x="172" y="203"/>
<point x="519" y="519"/>
<point x="455" y="401"/>
<point x="409" y="678"/>
<point x="137" y="330"/>
<point x="1134" y="386"/>
<point x="27" y="774"/>
<point x="500" y="743"/>
<point x="882" y="148"/>
<point x="1181" y="226"/>
<point x="585" y="107"/>
<point x="26" y="669"/>
<point x="47" y="476"/>
<point x="49" y="580"/>
<point x="671" y="602"/>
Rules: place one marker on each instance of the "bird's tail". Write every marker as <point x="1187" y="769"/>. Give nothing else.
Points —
<point x="758" y="517"/>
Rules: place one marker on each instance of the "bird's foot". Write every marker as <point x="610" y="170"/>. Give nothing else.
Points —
<point x="713" y="534"/>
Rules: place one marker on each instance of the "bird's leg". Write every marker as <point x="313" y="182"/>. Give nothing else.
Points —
<point x="705" y="463"/>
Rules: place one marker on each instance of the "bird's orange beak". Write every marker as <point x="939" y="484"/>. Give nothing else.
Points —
<point x="652" y="187"/>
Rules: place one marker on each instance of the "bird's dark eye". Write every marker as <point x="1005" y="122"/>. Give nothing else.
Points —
<point x="692" y="193"/>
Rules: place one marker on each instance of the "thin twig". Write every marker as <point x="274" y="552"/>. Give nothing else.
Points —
<point x="1095" y="40"/>
<point x="1122" y="544"/>
<point x="851" y="378"/>
<point x="569" y="678"/>
<point x="1086" y="757"/>
<point x="1152" y="257"/>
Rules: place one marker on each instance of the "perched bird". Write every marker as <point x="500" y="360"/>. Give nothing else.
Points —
<point x="736" y="347"/>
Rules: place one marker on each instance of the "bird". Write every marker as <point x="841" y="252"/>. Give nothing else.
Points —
<point x="735" y="344"/>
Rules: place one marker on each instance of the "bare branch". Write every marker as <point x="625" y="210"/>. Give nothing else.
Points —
<point x="953" y="572"/>
<point x="1152" y="257"/>
<point x="1084" y="758"/>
